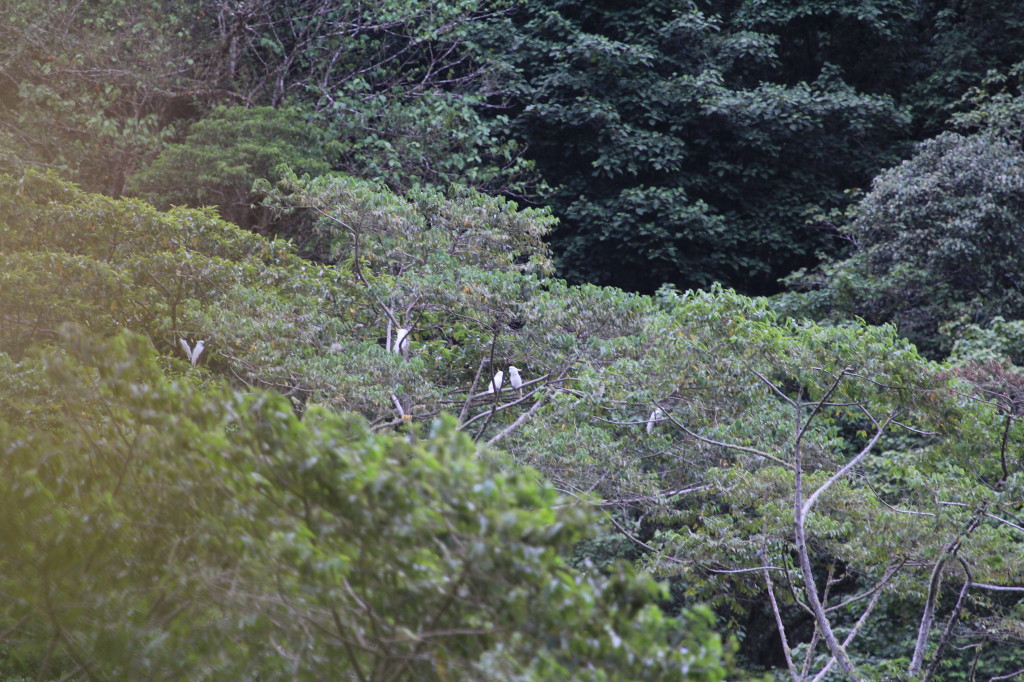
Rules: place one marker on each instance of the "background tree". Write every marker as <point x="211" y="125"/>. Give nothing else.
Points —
<point x="90" y="90"/>
<point x="224" y="153"/>
<point x="96" y="92"/>
<point x="681" y="151"/>
<point x="935" y="242"/>
<point x="397" y="85"/>
<point x="925" y="55"/>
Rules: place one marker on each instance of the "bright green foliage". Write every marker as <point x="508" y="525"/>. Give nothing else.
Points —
<point x="717" y="495"/>
<point x="167" y="530"/>
<point x="680" y="155"/>
<point x="361" y="221"/>
<point x="936" y="241"/>
<point x="1001" y="342"/>
<point x="704" y="493"/>
<point x="455" y="269"/>
<point x="224" y="153"/>
<point x="269" y="319"/>
<point x="719" y="468"/>
<point x="184" y="273"/>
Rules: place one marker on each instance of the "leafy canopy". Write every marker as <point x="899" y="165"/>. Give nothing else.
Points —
<point x="159" y="526"/>
<point x="935" y="243"/>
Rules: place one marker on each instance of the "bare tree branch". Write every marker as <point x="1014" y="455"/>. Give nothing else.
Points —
<point x="729" y="446"/>
<point x="520" y="420"/>
<point x="817" y="407"/>
<point x="948" y="630"/>
<point x="774" y="388"/>
<point x="856" y="627"/>
<point x="472" y="388"/>
<point x="780" y="626"/>
<point x="845" y="469"/>
<point x="998" y="588"/>
<point x="810" y="590"/>
<point x="641" y="543"/>
<point x="928" y="614"/>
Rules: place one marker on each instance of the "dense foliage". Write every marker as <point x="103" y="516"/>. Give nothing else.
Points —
<point x="169" y="528"/>
<point x="98" y="90"/>
<point x="225" y="153"/>
<point x="90" y="88"/>
<point x="677" y="141"/>
<point x="173" y="515"/>
<point x="722" y="440"/>
<point x="936" y="242"/>
<point x="369" y="436"/>
<point x="680" y="154"/>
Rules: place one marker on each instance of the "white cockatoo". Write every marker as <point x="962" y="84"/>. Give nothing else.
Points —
<point x="496" y="382"/>
<point x="192" y="353"/>
<point x="401" y="346"/>
<point x="513" y="377"/>
<point x="655" y="417"/>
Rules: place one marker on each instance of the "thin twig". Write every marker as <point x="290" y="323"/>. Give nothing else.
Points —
<point x="643" y="544"/>
<point x="953" y="616"/>
<point x="817" y="406"/>
<point x="472" y="388"/>
<point x="730" y="446"/>
<point x="780" y="626"/>
<point x="998" y="588"/>
<point x="773" y="387"/>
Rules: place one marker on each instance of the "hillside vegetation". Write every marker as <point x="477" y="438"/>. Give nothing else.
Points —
<point x="310" y="367"/>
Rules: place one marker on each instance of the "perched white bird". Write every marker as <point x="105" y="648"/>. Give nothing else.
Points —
<point x="192" y="353"/>
<point x="513" y="376"/>
<point x="655" y="417"/>
<point x="401" y="346"/>
<point x="496" y="382"/>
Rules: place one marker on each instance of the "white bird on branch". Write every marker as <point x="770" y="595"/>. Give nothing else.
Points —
<point x="496" y="382"/>
<point x="401" y="346"/>
<point x="192" y="353"/>
<point x="513" y="376"/>
<point x="655" y="417"/>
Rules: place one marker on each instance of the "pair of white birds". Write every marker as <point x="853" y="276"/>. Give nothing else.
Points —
<point x="400" y="347"/>
<point x="514" y="378"/>
<point x="192" y="353"/>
